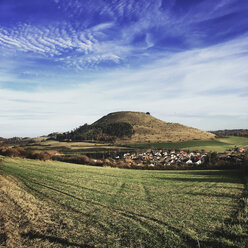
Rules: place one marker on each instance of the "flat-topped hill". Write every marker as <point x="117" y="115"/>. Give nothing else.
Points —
<point x="134" y="127"/>
<point x="147" y="128"/>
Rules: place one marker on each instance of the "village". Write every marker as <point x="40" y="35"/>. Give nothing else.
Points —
<point x="165" y="157"/>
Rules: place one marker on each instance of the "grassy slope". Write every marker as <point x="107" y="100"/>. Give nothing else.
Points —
<point x="127" y="208"/>
<point x="218" y="145"/>
<point x="150" y="129"/>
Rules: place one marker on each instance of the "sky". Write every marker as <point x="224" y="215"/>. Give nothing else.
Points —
<point x="64" y="63"/>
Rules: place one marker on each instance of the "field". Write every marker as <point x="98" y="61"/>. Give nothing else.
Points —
<point x="217" y="145"/>
<point x="97" y="150"/>
<point x="73" y="147"/>
<point x="54" y="204"/>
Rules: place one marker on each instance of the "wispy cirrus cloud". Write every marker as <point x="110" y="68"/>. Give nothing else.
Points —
<point x="180" y="60"/>
<point x="95" y="34"/>
<point x="48" y="41"/>
<point x="63" y="42"/>
<point x="191" y="87"/>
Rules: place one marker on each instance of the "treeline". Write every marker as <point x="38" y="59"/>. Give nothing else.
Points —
<point x="14" y="140"/>
<point x="231" y="132"/>
<point x="107" y="132"/>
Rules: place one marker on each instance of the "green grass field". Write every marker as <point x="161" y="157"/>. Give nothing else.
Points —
<point x="218" y="145"/>
<point x="106" y="207"/>
<point x="71" y="148"/>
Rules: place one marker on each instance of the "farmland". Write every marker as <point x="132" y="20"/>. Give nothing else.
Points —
<point x="217" y="145"/>
<point x="94" y="149"/>
<point x="72" y="148"/>
<point x="62" y="204"/>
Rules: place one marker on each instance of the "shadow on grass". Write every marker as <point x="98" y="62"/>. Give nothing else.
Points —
<point x="234" y="229"/>
<point x="35" y="235"/>
<point x="221" y="176"/>
<point x="3" y="239"/>
<point x="219" y="195"/>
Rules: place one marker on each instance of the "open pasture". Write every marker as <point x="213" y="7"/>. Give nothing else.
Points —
<point x="217" y="145"/>
<point x="104" y="207"/>
<point x="97" y="149"/>
<point x="72" y="147"/>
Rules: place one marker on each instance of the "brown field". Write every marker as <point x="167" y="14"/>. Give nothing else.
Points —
<point x="24" y="220"/>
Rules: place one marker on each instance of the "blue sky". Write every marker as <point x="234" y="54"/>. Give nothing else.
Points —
<point x="67" y="62"/>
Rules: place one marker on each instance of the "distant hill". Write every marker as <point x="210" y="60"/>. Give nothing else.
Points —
<point x="231" y="132"/>
<point x="134" y="127"/>
<point x="14" y="140"/>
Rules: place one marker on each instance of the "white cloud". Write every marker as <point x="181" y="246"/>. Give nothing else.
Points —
<point x="48" y="41"/>
<point x="204" y="88"/>
<point x="87" y="47"/>
<point x="108" y="41"/>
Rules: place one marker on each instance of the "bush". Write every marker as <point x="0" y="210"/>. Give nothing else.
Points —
<point x="122" y="164"/>
<point x="21" y="151"/>
<point x="108" y="162"/>
<point x="38" y="155"/>
<point x="96" y="162"/>
<point x="81" y="159"/>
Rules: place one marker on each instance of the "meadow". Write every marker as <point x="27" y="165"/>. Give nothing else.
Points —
<point x="54" y="204"/>
<point x="71" y="148"/>
<point x="217" y="145"/>
<point x="100" y="150"/>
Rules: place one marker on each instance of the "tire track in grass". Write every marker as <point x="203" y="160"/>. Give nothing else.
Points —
<point x="23" y="219"/>
<point x="53" y="239"/>
<point x="147" y="193"/>
<point x="32" y="235"/>
<point x="234" y="231"/>
<point x="76" y="213"/>
<point x="187" y="239"/>
<point x="121" y="189"/>
<point x="12" y="215"/>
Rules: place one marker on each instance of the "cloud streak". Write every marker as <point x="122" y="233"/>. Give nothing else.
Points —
<point x="192" y="87"/>
<point x="119" y="32"/>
